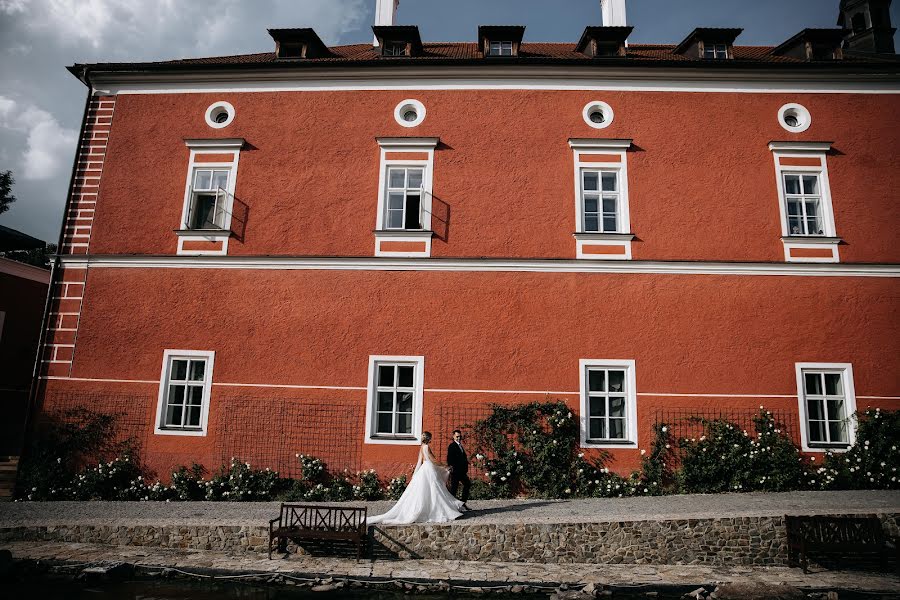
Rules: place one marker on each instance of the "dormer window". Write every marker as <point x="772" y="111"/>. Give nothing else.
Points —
<point x="813" y="44"/>
<point x="599" y="42"/>
<point x="300" y="43"/>
<point x="398" y="40"/>
<point x="715" y="51"/>
<point x="500" y="40"/>
<point x="501" y="49"/>
<point x="709" y="43"/>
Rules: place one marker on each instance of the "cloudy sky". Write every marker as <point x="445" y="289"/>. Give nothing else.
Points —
<point x="41" y="104"/>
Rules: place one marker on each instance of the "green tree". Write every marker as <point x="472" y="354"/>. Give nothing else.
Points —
<point x="6" y="197"/>
<point x="39" y="257"/>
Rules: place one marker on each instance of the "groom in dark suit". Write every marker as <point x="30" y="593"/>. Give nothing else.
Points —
<point x="459" y="467"/>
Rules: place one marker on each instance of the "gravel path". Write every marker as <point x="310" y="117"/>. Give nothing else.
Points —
<point x="484" y="512"/>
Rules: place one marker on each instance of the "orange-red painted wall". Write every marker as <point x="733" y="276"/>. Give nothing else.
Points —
<point x="689" y="334"/>
<point x="701" y="177"/>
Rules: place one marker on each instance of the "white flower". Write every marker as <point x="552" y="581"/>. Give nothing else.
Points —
<point x="664" y="429"/>
<point x="568" y="491"/>
<point x="503" y="479"/>
<point x="581" y="455"/>
<point x="643" y="452"/>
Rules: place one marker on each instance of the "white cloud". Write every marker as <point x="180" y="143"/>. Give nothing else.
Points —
<point x="48" y="145"/>
<point x="130" y="28"/>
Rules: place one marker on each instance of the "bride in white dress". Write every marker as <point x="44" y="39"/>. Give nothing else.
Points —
<point x="426" y="498"/>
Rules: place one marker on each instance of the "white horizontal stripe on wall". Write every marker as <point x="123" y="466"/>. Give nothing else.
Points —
<point x="483" y="265"/>
<point x="450" y="390"/>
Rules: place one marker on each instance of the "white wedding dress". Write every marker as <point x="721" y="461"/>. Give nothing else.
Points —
<point x="426" y="498"/>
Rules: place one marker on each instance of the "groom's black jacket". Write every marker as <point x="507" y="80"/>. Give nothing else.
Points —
<point x="457" y="459"/>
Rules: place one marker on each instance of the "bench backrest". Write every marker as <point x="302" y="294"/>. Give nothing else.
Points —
<point x="323" y="518"/>
<point x="836" y="530"/>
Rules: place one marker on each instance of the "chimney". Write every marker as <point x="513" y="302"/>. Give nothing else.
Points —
<point x="613" y="12"/>
<point x="385" y="14"/>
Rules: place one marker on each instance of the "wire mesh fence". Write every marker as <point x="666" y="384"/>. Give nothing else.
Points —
<point x="129" y="412"/>
<point x="464" y="416"/>
<point x="270" y="432"/>
<point x="691" y="423"/>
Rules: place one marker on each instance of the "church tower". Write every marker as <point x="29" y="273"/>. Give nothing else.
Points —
<point x="867" y="26"/>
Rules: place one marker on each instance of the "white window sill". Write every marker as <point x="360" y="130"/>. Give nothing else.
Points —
<point x="217" y="234"/>
<point x="811" y="239"/>
<point x="395" y="441"/>
<point x="596" y="235"/>
<point x="173" y="431"/>
<point x="608" y="444"/>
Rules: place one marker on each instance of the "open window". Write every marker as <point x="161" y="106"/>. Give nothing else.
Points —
<point x="403" y="223"/>
<point x="209" y="202"/>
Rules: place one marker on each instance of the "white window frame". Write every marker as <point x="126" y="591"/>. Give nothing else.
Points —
<point x="501" y="45"/>
<point x="168" y="357"/>
<point x="405" y="145"/>
<point x="231" y="147"/>
<point x="715" y="51"/>
<point x="829" y="239"/>
<point x="583" y="148"/>
<point x="617" y="171"/>
<point x="371" y="397"/>
<point x="846" y="371"/>
<point x="631" y="433"/>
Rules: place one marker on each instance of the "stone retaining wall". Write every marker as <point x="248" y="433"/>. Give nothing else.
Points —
<point x="719" y="541"/>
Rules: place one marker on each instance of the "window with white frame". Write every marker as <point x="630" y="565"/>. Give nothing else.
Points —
<point x="184" y="393"/>
<point x="803" y="203"/>
<point x="209" y="192"/>
<point x="500" y="48"/>
<point x="403" y="208"/>
<point x="715" y="51"/>
<point x="394" y="49"/>
<point x="600" y="200"/>
<point x="394" y="411"/>
<point x="608" y="403"/>
<point x="827" y="404"/>
<point x="207" y="214"/>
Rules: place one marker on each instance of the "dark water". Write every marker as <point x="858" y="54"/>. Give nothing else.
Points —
<point x="185" y="589"/>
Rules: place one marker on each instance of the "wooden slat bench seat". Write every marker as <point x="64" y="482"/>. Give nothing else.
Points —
<point x="847" y="536"/>
<point x="299" y="522"/>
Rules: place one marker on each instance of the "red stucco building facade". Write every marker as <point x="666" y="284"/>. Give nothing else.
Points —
<point x="330" y="250"/>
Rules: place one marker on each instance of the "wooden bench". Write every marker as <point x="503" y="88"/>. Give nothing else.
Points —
<point x="317" y="522"/>
<point x="851" y="535"/>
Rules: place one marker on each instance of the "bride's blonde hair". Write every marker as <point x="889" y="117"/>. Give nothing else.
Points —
<point x="426" y="437"/>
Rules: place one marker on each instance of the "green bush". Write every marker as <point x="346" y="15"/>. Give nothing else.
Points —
<point x="396" y="487"/>
<point x="529" y="447"/>
<point x="239" y="482"/>
<point x="728" y="459"/>
<point x="872" y="462"/>
<point x="60" y="447"/>
<point x="368" y="487"/>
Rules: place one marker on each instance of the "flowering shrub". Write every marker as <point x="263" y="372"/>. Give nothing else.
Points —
<point x="60" y="447"/>
<point x="396" y="487"/>
<point x="529" y="447"/>
<point x="368" y="486"/>
<point x="728" y="459"/>
<point x="872" y="462"/>
<point x="239" y="482"/>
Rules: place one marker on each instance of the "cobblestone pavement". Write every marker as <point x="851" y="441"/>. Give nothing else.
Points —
<point x="457" y="572"/>
<point x="587" y="510"/>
